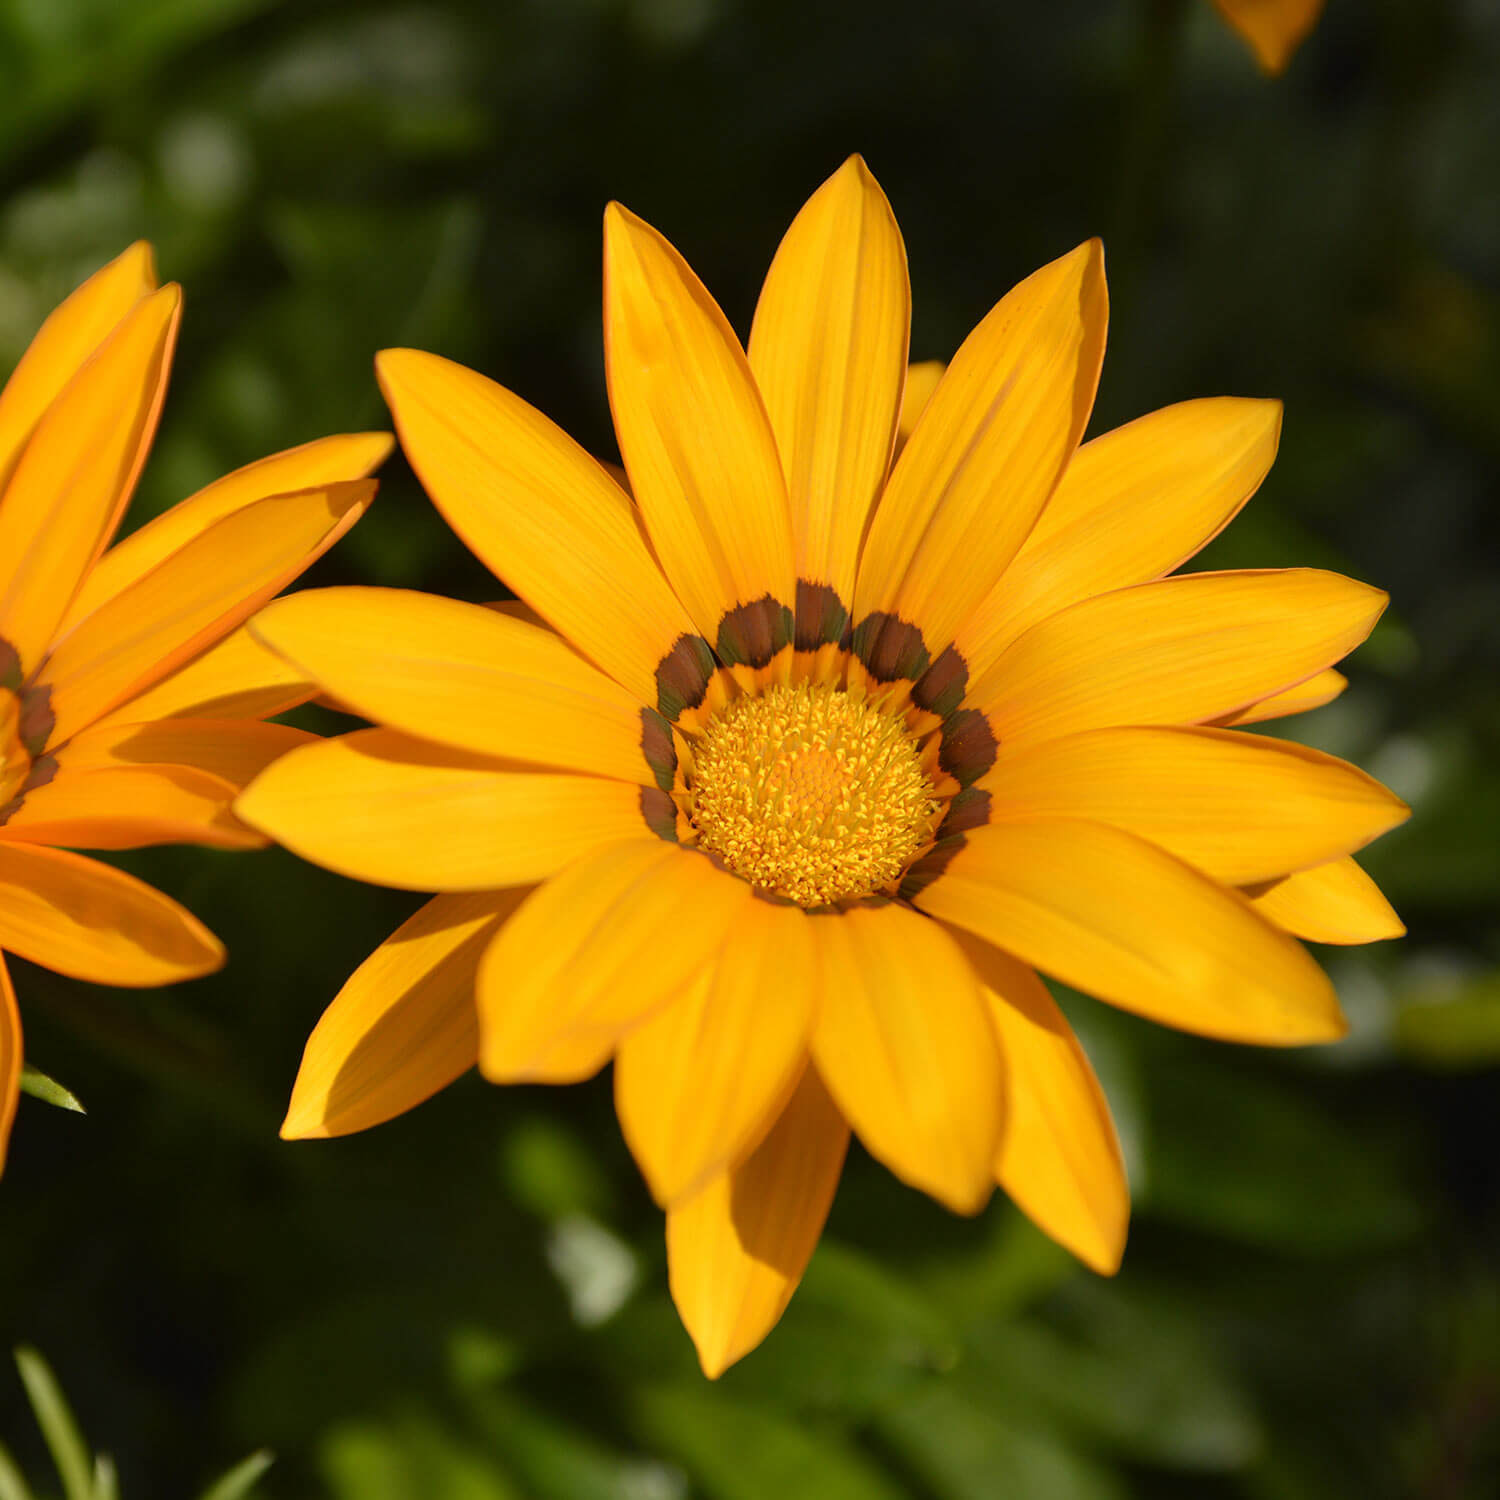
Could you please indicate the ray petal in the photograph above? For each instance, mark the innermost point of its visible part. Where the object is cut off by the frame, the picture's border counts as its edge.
(1334, 903)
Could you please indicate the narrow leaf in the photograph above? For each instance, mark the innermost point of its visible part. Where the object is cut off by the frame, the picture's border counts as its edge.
(64, 1441)
(49, 1091)
(240, 1480)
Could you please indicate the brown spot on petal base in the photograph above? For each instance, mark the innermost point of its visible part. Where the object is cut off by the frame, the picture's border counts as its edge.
(822, 618)
(657, 748)
(891, 649)
(660, 813)
(968, 749)
(682, 676)
(941, 688)
(751, 634)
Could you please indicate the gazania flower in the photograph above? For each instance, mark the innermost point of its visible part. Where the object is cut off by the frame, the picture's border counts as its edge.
(818, 759)
(1273, 29)
(129, 696)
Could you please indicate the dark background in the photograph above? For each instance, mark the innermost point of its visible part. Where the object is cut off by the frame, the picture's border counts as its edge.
(470, 1303)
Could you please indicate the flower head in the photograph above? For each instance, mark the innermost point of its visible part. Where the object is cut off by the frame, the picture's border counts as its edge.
(797, 762)
(130, 697)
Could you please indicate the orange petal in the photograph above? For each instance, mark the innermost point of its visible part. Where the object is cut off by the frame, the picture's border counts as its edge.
(11, 1058)
(1322, 687)
(1334, 903)
(1183, 650)
(989, 448)
(73, 480)
(903, 1043)
(595, 951)
(1059, 1156)
(1274, 29)
(404, 1026)
(922, 380)
(696, 442)
(311, 466)
(383, 806)
(698, 1083)
(541, 513)
(193, 599)
(92, 922)
(130, 807)
(234, 750)
(72, 332)
(828, 350)
(736, 1251)
(1110, 914)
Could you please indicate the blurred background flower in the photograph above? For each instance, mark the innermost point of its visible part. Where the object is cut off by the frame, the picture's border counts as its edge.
(469, 1301)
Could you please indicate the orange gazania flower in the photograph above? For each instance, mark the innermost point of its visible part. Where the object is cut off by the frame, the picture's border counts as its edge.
(818, 758)
(1273, 29)
(128, 694)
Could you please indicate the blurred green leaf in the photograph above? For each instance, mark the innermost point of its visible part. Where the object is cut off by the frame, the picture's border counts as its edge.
(12, 1481)
(59, 1429)
(240, 1480)
(408, 1456)
(106, 1479)
(1452, 1026)
(48, 1090)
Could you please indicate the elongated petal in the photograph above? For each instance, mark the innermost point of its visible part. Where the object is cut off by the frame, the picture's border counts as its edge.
(193, 599)
(234, 750)
(311, 466)
(1108, 913)
(986, 454)
(237, 679)
(1274, 29)
(404, 1026)
(922, 380)
(696, 442)
(71, 483)
(465, 676)
(1322, 687)
(596, 951)
(539, 512)
(698, 1083)
(92, 922)
(11, 1057)
(72, 332)
(1335, 903)
(382, 806)
(1183, 650)
(130, 807)
(737, 1250)
(1131, 506)
(828, 349)
(903, 1043)
(1059, 1156)
(1239, 807)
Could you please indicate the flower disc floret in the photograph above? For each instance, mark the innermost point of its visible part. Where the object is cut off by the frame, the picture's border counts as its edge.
(811, 793)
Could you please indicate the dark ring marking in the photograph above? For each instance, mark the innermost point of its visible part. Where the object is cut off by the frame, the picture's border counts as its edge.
(941, 688)
(822, 617)
(10, 666)
(682, 676)
(43, 769)
(930, 866)
(751, 634)
(660, 813)
(968, 746)
(969, 810)
(658, 749)
(37, 720)
(890, 648)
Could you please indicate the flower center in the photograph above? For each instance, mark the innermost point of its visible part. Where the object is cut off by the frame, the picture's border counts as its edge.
(15, 763)
(811, 793)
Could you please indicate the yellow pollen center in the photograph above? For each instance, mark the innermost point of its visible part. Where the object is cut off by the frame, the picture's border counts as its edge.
(812, 794)
(15, 763)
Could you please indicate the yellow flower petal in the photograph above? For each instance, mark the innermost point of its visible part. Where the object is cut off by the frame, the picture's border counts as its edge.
(596, 951)
(1059, 1156)
(540, 512)
(404, 1026)
(922, 380)
(1108, 913)
(73, 331)
(699, 1082)
(1183, 650)
(234, 750)
(697, 444)
(382, 806)
(1239, 807)
(990, 447)
(92, 922)
(1335, 903)
(11, 1058)
(736, 1251)
(311, 466)
(71, 483)
(1274, 29)
(467, 677)
(828, 349)
(1322, 687)
(238, 678)
(1132, 506)
(903, 1043)
(198, 595)
(128, 807)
